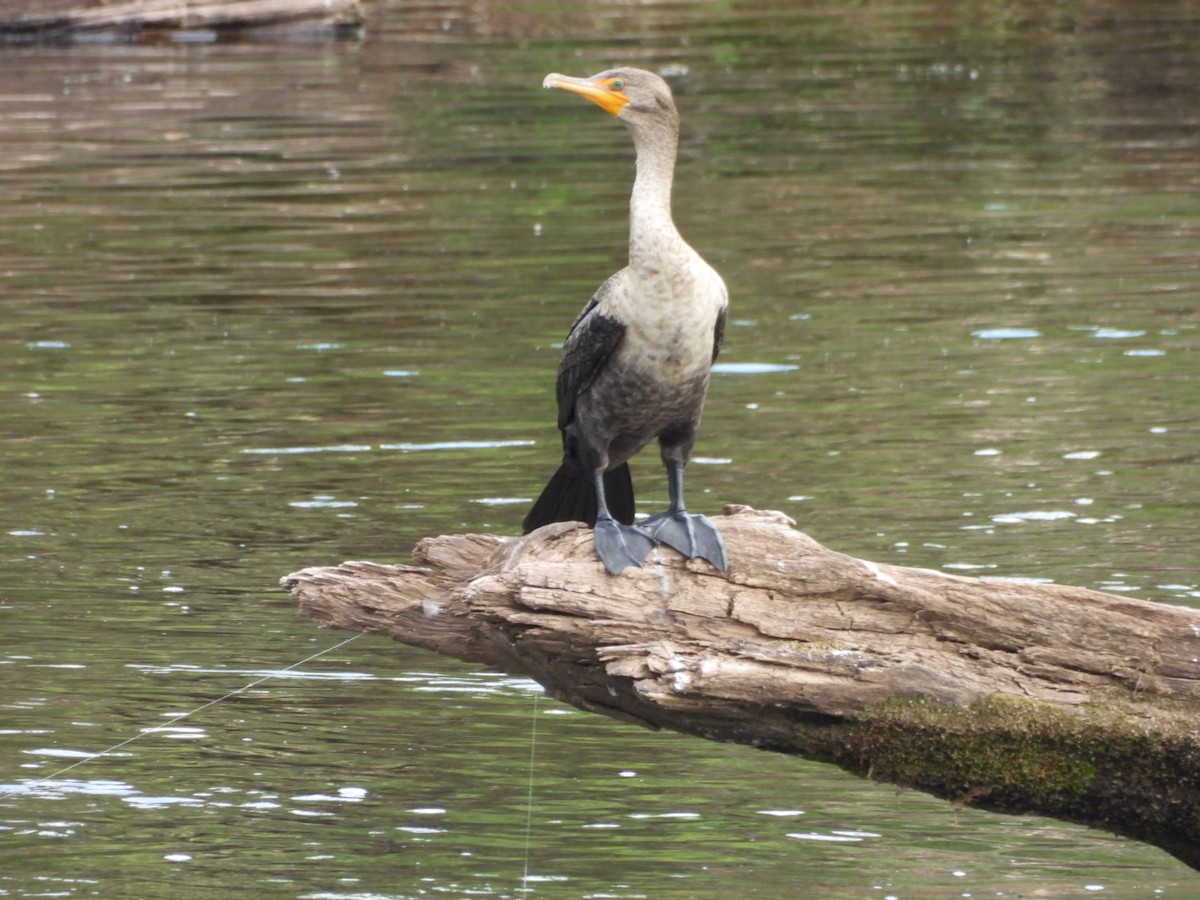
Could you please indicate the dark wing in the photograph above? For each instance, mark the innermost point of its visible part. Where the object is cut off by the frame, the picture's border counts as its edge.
(589, 345)
(719, 331)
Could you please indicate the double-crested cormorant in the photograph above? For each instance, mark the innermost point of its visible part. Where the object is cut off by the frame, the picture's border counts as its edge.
(635, 364)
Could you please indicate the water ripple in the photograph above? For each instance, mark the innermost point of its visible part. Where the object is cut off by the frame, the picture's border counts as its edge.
(752, 368)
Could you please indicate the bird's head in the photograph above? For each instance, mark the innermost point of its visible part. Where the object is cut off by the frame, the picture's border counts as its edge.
(635, 96)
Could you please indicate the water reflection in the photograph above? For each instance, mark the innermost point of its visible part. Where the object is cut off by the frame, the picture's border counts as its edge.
(269, 308)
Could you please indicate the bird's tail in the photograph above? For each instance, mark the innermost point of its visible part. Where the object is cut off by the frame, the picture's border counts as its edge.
(570, 496)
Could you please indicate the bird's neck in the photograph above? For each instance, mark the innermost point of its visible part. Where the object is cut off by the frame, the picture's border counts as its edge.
(653, 237)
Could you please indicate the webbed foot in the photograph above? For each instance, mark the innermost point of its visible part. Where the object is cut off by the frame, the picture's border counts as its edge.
(693, 535)
(620, 545)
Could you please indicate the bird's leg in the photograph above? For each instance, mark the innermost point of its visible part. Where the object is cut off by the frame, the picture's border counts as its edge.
(617, 545)
(693, 535)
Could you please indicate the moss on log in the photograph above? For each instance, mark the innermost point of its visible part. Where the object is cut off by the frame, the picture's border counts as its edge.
(1010, 696)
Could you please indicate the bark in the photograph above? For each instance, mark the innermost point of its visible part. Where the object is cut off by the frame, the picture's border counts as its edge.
(1006, 695)
(61, 18)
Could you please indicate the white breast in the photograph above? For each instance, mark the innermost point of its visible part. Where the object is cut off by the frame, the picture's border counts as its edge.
(670, 317)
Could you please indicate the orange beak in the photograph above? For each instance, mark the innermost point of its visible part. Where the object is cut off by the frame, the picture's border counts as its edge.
(606, 94)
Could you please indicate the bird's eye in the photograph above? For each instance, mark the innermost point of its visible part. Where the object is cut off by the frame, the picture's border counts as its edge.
(617, 84)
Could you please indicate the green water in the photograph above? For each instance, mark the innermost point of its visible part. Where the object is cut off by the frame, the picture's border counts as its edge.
(269, 306)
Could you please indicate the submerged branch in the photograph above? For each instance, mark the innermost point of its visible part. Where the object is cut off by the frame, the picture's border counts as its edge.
(40, 19)
(1025, 698)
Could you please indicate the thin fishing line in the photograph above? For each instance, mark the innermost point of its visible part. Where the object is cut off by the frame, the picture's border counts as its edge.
(171, 721)
(529, 793)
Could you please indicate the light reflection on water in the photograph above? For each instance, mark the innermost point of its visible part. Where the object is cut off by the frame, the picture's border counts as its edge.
(268, 309)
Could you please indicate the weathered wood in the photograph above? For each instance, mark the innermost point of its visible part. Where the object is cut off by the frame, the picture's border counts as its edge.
(1006, 695)
(33, 18)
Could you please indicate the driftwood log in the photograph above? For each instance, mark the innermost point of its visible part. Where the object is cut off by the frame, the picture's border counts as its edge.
(1010, 696)
(56, 19)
